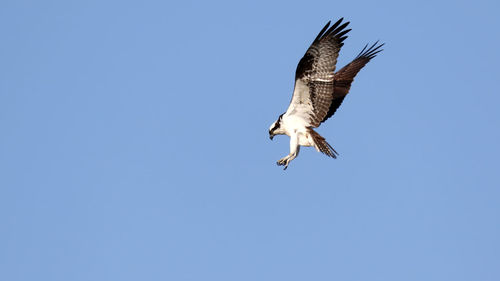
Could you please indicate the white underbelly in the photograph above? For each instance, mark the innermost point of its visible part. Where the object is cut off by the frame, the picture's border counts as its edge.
(305, 140)
(295, 126)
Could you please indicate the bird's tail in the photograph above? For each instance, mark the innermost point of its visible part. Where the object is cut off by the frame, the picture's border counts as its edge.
(321, 145)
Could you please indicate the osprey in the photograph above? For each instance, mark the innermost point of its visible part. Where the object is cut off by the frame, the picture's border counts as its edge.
(319, 91)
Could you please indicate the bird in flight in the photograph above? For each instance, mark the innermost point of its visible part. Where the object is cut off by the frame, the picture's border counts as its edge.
(319, 90)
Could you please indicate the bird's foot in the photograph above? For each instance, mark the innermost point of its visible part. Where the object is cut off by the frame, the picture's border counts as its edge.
(284, 162)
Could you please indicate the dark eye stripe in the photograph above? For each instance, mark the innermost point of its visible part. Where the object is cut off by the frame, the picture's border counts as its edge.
(277, 125)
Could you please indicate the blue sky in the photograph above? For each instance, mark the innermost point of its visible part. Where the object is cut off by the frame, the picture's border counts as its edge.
(134, 143)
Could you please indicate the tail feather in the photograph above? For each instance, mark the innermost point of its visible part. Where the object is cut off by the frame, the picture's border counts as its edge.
(322, 145)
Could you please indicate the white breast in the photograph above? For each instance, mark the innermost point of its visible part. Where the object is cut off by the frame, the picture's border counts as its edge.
(296, 126)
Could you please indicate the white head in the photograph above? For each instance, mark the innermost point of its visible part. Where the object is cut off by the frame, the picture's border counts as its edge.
(275, 128)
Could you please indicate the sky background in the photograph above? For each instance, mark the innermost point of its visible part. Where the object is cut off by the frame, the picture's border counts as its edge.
(134, 143)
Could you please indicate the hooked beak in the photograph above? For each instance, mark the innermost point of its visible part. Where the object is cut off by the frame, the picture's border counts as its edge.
(271, 137)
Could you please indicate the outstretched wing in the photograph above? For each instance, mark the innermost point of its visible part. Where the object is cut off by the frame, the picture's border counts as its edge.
(314, 76)
(343, 78)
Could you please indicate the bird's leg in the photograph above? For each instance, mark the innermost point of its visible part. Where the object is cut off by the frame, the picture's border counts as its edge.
(294, 151)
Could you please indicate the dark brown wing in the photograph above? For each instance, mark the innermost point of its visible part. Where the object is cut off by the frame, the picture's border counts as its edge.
(315, 73)
(344, 77)
(320, 59)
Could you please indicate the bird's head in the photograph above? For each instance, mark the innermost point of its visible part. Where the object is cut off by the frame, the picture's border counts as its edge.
(275, 128)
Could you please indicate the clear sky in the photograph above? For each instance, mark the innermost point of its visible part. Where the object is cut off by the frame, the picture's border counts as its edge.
(134, 143)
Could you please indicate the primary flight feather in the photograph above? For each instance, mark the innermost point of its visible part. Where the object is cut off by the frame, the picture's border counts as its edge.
(319, 90)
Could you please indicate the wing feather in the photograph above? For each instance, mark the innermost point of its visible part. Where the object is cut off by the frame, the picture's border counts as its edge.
(315, 72)
(344, 77)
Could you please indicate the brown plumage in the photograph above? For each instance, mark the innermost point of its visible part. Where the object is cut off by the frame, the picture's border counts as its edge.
(343, 78)
(321, 144)
(327, 89)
